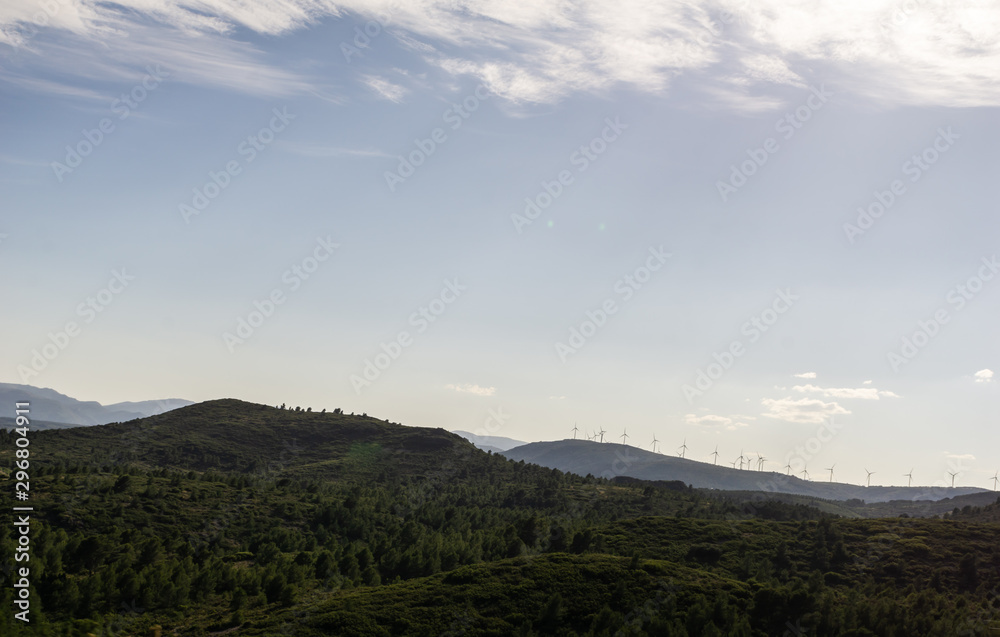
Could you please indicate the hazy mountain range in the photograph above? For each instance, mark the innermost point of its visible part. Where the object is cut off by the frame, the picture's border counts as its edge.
(54, 409)
(496, 444)
(609, 460)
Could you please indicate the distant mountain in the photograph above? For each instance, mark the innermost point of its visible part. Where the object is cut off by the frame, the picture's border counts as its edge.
(53, 407)
(150, 407)
(490, 443)
(608, 460)
(8, 422)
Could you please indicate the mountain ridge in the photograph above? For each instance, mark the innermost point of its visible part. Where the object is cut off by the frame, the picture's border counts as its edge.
(53, 406)
(608, 460)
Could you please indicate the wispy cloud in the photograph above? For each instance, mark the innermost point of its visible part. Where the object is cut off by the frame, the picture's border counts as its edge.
(472, 389)
(16, 161)
(983, 376)
(864, 393)
(386, 89)
(711, 420)
(740, 54)
(322, 150)
(803, 410)
(959, 456)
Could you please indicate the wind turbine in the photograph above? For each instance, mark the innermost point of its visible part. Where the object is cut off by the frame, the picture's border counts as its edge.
(995, 480)
(654, 443)
(805, 474)
(760, 462)
(733, 463)
(952, 478)
(601, 434)
(870, 473)
(830, 469)
(624, 436)
(575, 429)
(788, 469)
(909, 476)
(716, 455)
(683, 448)
(740, 458)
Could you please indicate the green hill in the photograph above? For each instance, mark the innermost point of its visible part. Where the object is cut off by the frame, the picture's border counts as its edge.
(250, 520)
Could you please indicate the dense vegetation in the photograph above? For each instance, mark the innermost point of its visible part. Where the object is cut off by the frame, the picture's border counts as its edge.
(227, 516)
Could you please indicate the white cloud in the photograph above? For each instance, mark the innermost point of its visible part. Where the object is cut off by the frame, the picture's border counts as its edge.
(472, 389)
(806, 375)
(710, 420)
(557, 398)
(864, 393)
(959, 456)
(543, 50)
(867, 382)
(984, 375)
(803, 410)
(386, 89)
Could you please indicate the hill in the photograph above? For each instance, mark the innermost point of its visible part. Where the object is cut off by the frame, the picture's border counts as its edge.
(236, 518)
(51, 406)
(583, 457)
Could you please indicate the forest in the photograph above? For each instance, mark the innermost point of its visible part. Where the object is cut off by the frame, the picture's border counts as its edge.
(243, 519)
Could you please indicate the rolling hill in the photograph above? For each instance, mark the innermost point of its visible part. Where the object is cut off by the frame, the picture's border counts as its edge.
(608, 460)
(234, 518)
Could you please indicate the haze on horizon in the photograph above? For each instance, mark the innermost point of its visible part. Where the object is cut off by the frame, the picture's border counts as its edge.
(723, 222)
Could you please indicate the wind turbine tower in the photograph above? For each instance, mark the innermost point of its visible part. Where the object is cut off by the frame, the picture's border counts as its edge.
(870, 473)
(909, 478)
(830, 469)
(575, 429)
(683, 448)
(715, 455)
(953, 478)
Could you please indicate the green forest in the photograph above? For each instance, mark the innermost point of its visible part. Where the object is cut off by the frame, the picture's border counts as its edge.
(233, 518)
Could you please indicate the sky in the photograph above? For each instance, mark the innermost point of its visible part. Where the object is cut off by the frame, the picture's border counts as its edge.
(760, 227)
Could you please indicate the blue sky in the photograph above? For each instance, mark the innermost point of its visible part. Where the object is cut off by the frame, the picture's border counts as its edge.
(250, 165)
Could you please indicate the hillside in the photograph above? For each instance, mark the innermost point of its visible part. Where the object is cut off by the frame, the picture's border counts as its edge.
(233, 517)
(583, 457)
